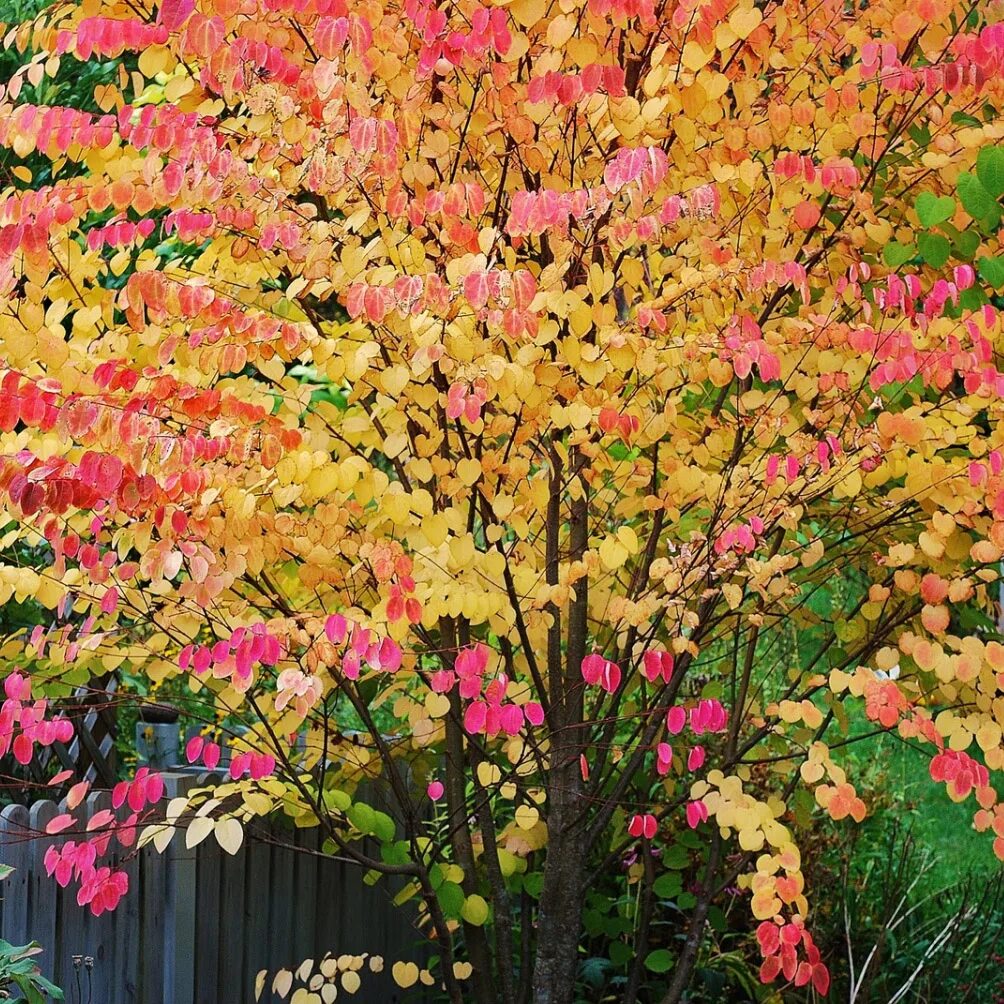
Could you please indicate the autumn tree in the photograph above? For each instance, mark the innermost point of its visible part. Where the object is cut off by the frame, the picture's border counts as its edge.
(569, 416)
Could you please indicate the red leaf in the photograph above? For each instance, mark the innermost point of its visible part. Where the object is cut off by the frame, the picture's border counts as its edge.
(821, 979)
(173, 13)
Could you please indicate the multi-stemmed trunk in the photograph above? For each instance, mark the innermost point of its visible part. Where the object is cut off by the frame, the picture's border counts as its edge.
(560, 912)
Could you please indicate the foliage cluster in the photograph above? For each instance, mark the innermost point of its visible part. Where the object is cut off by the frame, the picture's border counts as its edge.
(578, 417)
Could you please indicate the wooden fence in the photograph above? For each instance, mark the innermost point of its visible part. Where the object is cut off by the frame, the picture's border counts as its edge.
(198, 925)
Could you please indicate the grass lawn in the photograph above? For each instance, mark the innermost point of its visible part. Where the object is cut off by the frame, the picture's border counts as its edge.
(939, 824)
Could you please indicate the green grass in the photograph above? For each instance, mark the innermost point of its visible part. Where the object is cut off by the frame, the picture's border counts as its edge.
(942, 826)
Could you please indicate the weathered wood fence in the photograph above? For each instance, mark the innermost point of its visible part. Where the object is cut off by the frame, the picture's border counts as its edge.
(198, 925)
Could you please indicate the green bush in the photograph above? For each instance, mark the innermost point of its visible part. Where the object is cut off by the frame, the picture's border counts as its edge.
(20, 978)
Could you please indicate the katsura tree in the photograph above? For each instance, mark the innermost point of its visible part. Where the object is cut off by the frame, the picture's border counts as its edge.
(576, 422)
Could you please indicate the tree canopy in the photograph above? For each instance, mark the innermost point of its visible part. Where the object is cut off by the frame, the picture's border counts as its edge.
(570, 416)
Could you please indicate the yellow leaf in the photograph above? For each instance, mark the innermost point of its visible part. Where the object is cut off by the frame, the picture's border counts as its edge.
(469, 470)
(628, 538)
(526, 817)
(474, 910)
(528, 12)
(152, 60)
(437, 705)
(811, 771)
(613, 553)
(405, 974)
(744, 20)
(488, 774)
(161, 836)
(229, 834)
(694, 56)
(394, 380)
(282, 983)
(198, 830)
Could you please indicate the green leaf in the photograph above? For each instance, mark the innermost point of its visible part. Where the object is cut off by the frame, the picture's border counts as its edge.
(339, 799)
(934, 249)
(659, 961)
(895, 254)
(932, 209)
(668, 886)
(990, 169)
(675, 857)
(397, 853)
(991, 270)
(362, 817)
(33, 995)
(533, 883)
(6, 871)
(688, 838)
(977, 201)
(972, 298)
(50, 988)
(383, 826)
(966, 242)
(961, 118)
(620, 953)
(451, 899)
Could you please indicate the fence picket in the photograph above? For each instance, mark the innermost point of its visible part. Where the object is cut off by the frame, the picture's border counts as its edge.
(153, 893)
(208, 920)
(15, 840)
(43, 890)
(304, 887)
(127, 932)
(231, 971)
(179, 907)
(282, 920)
(256, 910)
(100, 930)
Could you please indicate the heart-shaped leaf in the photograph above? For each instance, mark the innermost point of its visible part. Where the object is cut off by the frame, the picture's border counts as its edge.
(977, 201)
(990, 170)
(934, 249)
(659, 961)
(966, 242)
(895, 254)
(932, 209)
(992, 271)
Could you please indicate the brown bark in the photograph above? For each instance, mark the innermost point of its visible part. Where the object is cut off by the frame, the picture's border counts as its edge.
(560, 911)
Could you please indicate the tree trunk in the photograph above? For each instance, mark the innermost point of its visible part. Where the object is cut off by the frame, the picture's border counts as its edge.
(560, 914)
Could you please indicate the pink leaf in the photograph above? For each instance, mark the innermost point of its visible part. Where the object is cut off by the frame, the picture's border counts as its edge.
(193, 748)
(172, 14)
(60, 823)
(22, 749)
(676, 720)
(211, 756)
(475, 718)
(77, 794)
